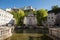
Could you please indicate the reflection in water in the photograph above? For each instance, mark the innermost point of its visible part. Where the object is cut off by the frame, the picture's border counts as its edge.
(44, 37)
(32, 30)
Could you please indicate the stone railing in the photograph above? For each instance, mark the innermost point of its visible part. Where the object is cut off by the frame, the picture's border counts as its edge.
(5, 32)
(54, 32)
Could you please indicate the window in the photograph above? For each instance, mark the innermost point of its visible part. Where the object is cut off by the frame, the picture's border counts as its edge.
(52, 17)
(52, 20)
(48, 17)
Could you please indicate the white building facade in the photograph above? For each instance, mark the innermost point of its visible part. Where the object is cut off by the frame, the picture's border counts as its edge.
(30, 19)
(28, 8)
(8, 9)
(5, 17)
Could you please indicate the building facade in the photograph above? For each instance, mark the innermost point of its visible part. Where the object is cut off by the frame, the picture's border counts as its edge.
(28, 8)
(5, 17)
(56, 16)
(57, 19)
(30, 19)
(51, 19)
(8, 9)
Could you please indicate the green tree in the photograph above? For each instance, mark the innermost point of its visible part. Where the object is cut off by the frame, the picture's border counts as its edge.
(55, 7)
(41, 16)
(19, 16)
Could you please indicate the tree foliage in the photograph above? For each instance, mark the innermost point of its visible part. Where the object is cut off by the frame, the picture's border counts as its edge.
(18, 15)
(41, 16)
(55, 7)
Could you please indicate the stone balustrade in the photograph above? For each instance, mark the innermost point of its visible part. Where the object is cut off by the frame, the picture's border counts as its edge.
(54, 32)
(5, 32)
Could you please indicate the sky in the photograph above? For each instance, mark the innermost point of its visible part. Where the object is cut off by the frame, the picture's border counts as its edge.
(38, 4)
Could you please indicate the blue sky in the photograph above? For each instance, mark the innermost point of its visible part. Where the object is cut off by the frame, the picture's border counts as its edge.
(38, 4)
